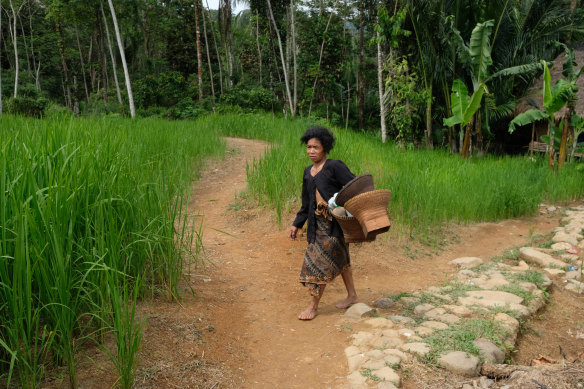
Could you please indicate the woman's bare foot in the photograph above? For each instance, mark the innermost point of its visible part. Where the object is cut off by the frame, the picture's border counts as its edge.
(309, 313)
(346, 303)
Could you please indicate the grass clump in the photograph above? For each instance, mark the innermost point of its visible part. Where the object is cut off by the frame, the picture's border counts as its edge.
(460, 337)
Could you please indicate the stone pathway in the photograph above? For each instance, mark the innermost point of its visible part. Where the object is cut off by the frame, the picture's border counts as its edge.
(472, 320)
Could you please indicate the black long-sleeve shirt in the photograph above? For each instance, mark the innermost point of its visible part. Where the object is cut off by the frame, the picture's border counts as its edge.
(333, 176)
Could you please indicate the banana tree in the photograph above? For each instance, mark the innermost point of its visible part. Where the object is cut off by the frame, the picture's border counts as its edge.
(477, 58)
(464, 108)
(554, 99)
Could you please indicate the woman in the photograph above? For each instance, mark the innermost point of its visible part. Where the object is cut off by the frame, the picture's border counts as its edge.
(327, 254)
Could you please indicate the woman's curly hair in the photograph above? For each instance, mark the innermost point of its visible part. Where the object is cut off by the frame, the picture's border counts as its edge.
(323, 134)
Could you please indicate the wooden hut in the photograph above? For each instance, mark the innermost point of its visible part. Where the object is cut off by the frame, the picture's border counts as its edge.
(534, 100)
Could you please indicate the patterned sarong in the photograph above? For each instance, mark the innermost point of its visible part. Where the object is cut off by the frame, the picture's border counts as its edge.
(325, 259)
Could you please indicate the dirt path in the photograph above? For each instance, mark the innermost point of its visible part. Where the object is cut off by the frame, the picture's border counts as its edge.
(240, 328)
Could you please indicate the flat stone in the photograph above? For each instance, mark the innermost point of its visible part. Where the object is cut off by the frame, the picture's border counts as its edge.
(554, 272)
(360, 310)
(423, 308)
(401, 319)
(537, 302)
(393, 352)
(392, 360)
(542, 259)
(570, 257)
(467, 273)
(561, 246)
(362, 338)
(374, 364)
(390, 333)
(485, 382)
(461, 363)
(357, 380)
(384, 303)
(386, 373)
(405, 333)
(440, 314)
(489, 351)
(352, 350)
(467, 262)
(416, 348)
(379, 322)
(436, 325)
(424, 331)
(493, 295)
(492, 298)
(458, 310)
(383, 342)
(564, 237)
(493, 281)
(511, 325)
(374, 354)
(528, 286)
(354, 362)
(575, 286)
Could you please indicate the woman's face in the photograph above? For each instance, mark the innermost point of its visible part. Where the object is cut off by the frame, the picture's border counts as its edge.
(315, 150)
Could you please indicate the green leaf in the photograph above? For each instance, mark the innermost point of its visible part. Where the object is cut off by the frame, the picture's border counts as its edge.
(527, 117)
(480, 50)
(547, 82)
(517, 70)
(475, 103)
(459, 100)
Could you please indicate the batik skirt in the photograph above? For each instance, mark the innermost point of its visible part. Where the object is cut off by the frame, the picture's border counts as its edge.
(324, 259)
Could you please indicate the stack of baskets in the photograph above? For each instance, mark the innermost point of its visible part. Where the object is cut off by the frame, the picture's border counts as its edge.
(367, 206)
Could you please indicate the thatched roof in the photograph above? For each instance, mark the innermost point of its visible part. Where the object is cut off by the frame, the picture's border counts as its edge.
(535, 98)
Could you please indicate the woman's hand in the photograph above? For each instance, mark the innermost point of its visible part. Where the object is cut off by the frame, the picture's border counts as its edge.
(292, 233)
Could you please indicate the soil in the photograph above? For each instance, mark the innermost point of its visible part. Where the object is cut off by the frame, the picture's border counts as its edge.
(236, 325)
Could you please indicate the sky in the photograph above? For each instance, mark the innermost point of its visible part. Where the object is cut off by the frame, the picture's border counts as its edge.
(214, 4)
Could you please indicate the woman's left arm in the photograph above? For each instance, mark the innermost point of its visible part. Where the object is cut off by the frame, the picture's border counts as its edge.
(342, 173)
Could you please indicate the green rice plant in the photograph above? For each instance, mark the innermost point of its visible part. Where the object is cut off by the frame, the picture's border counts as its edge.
(127, 332)
(78, 196)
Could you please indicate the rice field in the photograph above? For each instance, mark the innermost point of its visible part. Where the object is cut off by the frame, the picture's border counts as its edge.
(92, 217)
(430, 188)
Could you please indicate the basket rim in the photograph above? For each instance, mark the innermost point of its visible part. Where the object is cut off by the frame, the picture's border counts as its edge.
(352, 185)
(373, 193)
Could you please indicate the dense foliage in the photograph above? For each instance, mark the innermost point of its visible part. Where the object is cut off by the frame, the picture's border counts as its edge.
(317, 59)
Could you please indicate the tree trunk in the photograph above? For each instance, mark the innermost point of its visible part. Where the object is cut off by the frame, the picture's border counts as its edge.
(466, 144)
(102, 63)
(380, 63)
(82, 65)
(258, 43)
(207, 49)
(361, 66)
(15, 44)
(61, 43)
(112, 56)
(564, 141)
(216, 51)
(428, 131)
(294, 56)
(319, 62)
(124, 64)
(287, 83)
(227, 35)
(199, 55)
(551, 151)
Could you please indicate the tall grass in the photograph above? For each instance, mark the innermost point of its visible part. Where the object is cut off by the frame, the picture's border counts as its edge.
(77, 198)
(430, 188)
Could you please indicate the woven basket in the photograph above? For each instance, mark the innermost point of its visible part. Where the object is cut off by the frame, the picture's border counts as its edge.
(352, 230)
(370, 209)
(358, 185)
